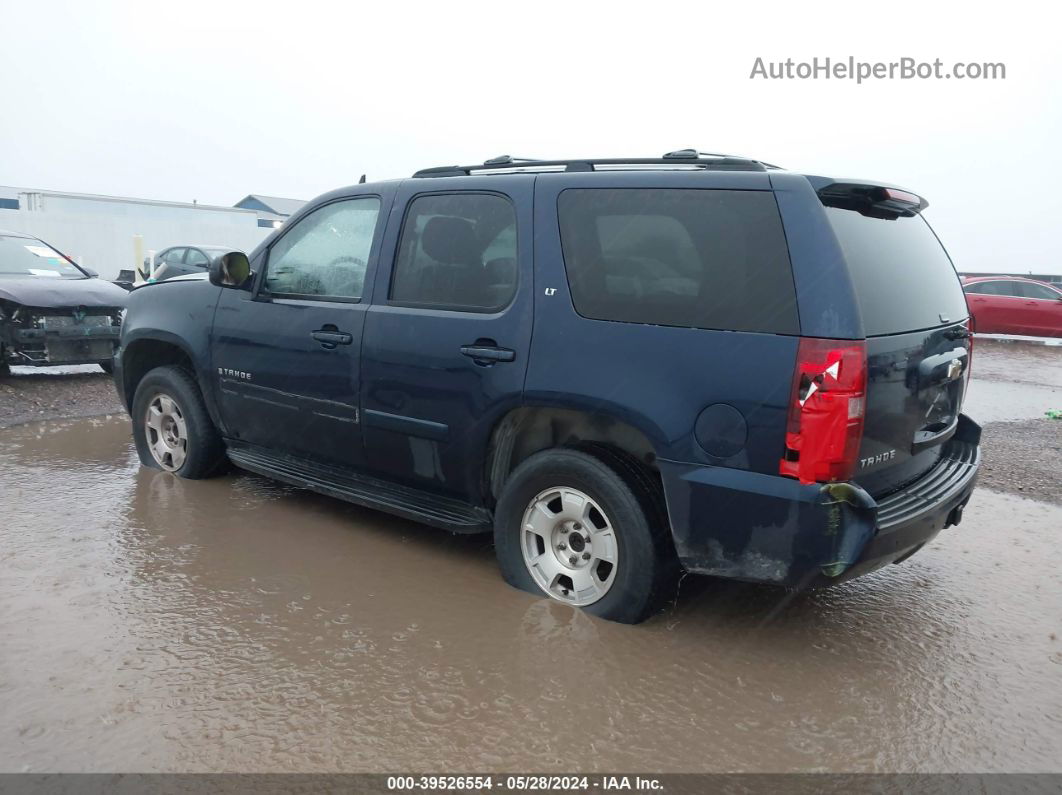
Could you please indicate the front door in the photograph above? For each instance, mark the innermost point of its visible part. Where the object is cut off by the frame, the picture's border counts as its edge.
(287, 354)
(446, 340)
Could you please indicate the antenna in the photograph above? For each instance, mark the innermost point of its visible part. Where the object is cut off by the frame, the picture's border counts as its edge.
(362, 180)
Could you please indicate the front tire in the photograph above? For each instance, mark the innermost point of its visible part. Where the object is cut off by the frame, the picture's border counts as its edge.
(587, 528)
(171, 426)
(107, 366)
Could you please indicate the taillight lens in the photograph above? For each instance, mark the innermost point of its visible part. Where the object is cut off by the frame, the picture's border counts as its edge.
(969, 363)
(826, 411)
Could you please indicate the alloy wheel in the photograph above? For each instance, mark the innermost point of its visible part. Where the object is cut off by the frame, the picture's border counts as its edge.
(166, 432)
(569, 546)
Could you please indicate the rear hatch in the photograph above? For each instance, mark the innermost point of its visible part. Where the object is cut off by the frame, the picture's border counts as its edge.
(915, 317)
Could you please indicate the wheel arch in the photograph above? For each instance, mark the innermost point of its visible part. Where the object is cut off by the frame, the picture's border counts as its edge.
(143, 354)
(526, 430)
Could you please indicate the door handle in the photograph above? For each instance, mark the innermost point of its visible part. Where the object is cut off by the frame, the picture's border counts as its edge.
(330, 337)
(487, 352)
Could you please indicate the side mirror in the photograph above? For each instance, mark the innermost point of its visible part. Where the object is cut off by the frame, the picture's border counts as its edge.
(231, 269)
(91, 272)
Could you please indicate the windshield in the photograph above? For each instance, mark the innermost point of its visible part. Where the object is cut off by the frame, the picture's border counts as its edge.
(27, 256)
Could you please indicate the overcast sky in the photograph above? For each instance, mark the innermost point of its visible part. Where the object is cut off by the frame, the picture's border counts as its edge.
(211, 101)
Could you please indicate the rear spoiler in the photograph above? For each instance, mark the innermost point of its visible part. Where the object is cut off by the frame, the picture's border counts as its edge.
(883, 201)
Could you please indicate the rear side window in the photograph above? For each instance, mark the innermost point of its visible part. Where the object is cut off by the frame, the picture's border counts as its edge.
(1030, 290)
(458, 251)
(903, 278)
(714, 259)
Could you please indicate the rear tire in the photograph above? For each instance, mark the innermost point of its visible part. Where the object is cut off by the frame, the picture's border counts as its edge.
(587, 528)
(171, 426)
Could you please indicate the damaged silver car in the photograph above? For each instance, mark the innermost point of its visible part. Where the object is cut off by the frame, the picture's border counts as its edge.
(53, 311)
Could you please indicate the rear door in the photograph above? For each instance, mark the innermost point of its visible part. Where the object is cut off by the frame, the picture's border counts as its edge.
(446, 342)
(915, 318)
(1008, 311)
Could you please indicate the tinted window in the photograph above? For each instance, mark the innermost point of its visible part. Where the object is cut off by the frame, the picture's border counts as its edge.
(903, 278)
(1030, 290)
(1009, 289)
(996, 288)
(701, 258)
(457, 251)
(325, 253)
(196, 257)
(175, 256)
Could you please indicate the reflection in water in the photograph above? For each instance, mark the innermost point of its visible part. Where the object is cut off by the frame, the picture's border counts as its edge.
(150, 623)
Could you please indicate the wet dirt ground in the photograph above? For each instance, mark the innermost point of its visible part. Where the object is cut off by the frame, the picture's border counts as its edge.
(38, 393)
(154, 624)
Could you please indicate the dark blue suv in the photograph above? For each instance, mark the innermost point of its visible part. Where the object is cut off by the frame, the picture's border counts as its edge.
(623, 368)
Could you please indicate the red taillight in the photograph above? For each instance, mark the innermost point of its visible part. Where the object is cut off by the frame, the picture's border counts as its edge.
(826, 411)
(901, 196)
(969, 361)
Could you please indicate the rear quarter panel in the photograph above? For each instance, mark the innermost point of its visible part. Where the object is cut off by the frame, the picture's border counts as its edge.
(825, 294)
(656, 378)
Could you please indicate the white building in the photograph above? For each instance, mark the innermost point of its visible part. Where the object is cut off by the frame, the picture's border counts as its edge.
(272, 210)
(111, 233)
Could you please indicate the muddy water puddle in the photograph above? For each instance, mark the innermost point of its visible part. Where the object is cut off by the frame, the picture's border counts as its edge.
(1014, 381)
(148, 623)
(1001, 401)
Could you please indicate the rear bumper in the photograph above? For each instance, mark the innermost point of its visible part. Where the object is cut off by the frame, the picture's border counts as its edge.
(770, 529)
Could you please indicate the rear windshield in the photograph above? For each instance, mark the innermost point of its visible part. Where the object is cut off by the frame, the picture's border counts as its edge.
(904, 280)
(714, 259)
(27, 256)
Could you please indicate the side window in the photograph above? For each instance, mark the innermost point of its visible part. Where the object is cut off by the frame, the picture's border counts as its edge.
(1004, 288)
(1030, 290)
(175, 256)
(325, 254)
(988, 288)
(457, 251)
(196, 258)
(712, 259)
(977, 288)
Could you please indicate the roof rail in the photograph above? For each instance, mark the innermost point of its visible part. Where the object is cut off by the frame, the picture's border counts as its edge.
(682, 157)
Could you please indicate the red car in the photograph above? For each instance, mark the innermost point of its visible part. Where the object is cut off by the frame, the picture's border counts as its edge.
(1011, 305)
